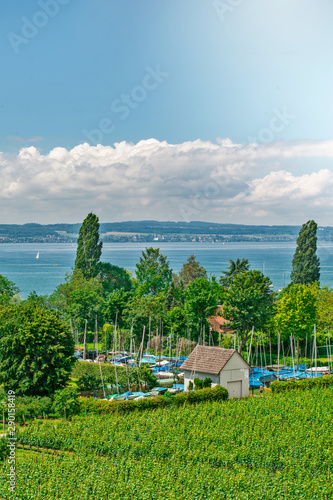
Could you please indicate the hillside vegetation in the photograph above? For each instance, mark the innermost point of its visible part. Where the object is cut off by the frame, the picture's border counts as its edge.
(279, 447)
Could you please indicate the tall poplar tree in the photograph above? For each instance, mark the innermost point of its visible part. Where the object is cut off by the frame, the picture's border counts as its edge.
(89, 248)
(305, 263)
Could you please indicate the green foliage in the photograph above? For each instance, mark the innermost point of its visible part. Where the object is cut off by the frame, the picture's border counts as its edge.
(191, 270)
(202, 297)
(296, 310)
(4, 449)
(88, 381)
(66, 400)
(113, 277)
(115, 304)
(147, 377)
(202, 384)
(89, 248)
(176, 318)
(307, 383)
(80, 299)
(153, 272)
(30, 407)
(36, 349)
(235, 267)
(248, 303)
(324, 320)
(258, 448)
(8, 290)
(305, 263)
(102, 407)
(139, 309)
(91, 371)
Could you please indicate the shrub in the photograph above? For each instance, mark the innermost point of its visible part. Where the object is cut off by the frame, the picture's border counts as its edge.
(30, 407)
(4, 449)
(202, 384)
(102, 407)
(280, 386)
(66, 399)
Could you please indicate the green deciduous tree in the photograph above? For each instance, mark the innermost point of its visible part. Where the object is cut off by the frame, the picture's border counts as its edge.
(324, 320)
(36, 349)
(138, 311)
(4, 448)
(113, 277)
(202, 297)
(153, 272)
(305, 263)
(7, 289)
(296, 310)
(80, 299)
(115, 304)
(175, 318)
(191, 270)
(147, 377)
(66, 402)
(248, 303)
(89, 248)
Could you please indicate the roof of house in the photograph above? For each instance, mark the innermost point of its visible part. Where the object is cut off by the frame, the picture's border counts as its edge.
(208, 359)
(219, 323)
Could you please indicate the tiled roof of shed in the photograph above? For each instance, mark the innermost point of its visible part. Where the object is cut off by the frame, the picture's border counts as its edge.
(207, 359)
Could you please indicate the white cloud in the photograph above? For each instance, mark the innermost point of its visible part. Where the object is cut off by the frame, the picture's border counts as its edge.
(195, 180)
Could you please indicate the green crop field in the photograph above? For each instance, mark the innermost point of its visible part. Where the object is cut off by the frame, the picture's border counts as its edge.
(279, 447)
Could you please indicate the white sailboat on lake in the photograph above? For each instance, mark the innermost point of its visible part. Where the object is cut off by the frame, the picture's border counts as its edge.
(37, 256)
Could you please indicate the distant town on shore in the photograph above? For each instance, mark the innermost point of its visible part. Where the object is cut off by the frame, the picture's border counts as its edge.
(150, 231)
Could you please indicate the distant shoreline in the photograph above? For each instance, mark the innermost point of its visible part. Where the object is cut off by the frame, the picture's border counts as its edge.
(155, 231)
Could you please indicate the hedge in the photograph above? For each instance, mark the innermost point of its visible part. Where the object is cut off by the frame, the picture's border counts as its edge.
(102, 407)
(307, 383)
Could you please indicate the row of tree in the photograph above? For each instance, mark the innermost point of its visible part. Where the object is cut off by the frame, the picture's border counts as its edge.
(36, 335)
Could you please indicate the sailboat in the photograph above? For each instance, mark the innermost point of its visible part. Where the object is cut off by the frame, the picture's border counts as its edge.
(37, 256)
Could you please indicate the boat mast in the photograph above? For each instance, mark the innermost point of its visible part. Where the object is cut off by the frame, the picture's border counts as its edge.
(84, 340)
(99, 362)
(278, 354)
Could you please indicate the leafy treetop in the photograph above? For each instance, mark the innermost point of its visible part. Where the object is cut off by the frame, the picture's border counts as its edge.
(191, 270)
(248, 303)
(153, 272)
(89, 248)
(305, 263)
(36, 349)
(7, 289)
(296, 310)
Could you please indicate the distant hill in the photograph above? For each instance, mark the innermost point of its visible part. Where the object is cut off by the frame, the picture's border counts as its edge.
(150, 231)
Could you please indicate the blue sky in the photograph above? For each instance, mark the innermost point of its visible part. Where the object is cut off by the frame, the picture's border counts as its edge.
(110, 71)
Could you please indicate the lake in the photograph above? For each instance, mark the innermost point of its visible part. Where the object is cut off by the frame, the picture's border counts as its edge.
(19, 264)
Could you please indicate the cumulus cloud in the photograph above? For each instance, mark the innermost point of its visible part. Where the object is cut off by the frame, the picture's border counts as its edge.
(194, 180)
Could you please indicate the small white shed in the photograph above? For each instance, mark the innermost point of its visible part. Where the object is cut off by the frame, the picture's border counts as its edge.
(225, 367)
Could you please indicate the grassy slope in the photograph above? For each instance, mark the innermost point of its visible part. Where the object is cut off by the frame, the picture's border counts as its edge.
(263, 448)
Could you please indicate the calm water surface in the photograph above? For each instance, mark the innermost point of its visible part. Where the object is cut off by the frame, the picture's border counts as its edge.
(19, 264)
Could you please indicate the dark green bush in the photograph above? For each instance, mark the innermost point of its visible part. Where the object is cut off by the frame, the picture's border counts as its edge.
(66, 402)
(307, 383)
(4, 449)
(218, 393)
(102, 407)
(31, 407)
(202, 384)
